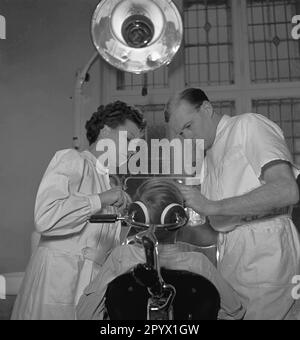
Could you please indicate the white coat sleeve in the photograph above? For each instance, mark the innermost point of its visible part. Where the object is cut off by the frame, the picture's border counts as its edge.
(264, 143)
(60, 208)
(231, 306)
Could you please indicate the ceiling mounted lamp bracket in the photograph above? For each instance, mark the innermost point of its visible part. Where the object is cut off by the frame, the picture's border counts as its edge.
(136, 36)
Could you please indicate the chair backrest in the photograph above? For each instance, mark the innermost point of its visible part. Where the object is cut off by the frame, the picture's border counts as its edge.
(196, 297)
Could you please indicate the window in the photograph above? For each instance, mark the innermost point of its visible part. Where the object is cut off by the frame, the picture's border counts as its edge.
(274, 55)
(286, 113)
(156, 126)
(208, 43)
(225, 107)
(155, 80)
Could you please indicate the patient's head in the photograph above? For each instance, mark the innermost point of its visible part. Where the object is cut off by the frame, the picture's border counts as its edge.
(157, 194)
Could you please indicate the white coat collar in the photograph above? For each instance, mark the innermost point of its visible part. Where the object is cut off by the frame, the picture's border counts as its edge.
(101, 169)
(222, 124)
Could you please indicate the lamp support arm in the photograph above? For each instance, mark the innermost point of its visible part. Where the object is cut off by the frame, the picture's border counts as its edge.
(77, 102)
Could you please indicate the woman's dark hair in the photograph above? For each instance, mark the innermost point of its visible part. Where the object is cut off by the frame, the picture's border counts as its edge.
(194, 96)
(112, 115)
(157, 194)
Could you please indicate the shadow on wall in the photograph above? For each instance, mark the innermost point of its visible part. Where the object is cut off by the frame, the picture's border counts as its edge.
(296, 210)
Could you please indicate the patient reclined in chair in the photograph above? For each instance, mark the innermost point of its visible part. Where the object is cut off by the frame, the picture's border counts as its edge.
(201, 293)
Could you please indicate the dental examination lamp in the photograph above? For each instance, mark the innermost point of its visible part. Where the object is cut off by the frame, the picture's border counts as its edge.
(136, 36)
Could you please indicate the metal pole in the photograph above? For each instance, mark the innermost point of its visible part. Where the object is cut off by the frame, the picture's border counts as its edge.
(78, 93)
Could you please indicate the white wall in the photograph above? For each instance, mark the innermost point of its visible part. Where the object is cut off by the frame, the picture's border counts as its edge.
(47, 41)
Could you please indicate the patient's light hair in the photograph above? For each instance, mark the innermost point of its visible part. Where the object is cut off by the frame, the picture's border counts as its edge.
(157, 194)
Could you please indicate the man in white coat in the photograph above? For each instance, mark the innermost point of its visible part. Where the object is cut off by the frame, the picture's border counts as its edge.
(74, 187)
(247, 191)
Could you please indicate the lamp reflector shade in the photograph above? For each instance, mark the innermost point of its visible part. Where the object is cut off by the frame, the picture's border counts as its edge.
(137, 36)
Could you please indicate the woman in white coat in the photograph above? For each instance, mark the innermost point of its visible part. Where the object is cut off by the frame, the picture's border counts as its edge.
(74, 187)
